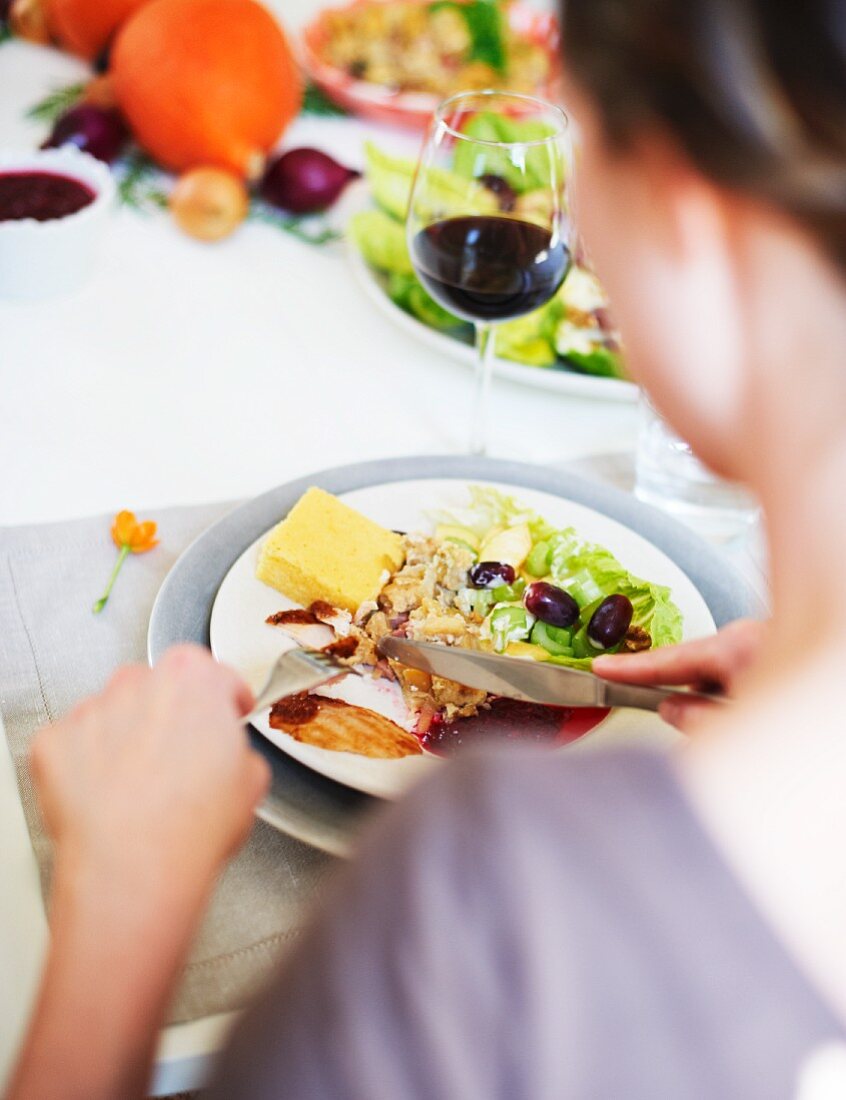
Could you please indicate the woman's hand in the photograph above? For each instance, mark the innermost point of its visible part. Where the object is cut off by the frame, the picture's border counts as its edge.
(155, 770)
(146, 790)
(707, 664)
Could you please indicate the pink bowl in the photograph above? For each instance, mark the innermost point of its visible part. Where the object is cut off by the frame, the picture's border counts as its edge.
(412, 110)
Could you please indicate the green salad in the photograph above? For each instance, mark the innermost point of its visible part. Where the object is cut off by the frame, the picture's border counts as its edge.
(572, 331)
(544, 592)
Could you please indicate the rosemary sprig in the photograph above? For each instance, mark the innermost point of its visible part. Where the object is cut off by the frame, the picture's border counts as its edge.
(297, 227)
(5, 33)
(139, 184)
(55, 103)
(318, 103)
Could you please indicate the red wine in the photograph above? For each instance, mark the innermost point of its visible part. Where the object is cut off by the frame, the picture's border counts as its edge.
(489, 268)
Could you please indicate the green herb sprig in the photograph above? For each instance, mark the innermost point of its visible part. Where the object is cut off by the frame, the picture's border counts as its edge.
(298, 227)
(485, 23)
(139, 186)
(317, 103)
(56, 103)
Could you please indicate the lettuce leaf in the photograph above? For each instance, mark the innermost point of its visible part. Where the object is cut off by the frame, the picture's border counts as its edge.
(589, 571)
(448, 193)
(409, 294)
(390, 180)
(531, 338)
(381, 241)
(600, 362)
(524, 170)
(489, 508)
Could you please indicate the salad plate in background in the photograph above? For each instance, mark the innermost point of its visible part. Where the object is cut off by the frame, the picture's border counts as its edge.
(394, 61)
(568, 346)
(607, 557)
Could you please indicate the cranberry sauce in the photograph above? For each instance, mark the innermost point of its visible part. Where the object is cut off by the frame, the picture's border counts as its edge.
(511, 720)
(41, 195)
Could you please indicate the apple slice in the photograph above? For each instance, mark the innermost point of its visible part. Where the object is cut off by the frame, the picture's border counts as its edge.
(511, 546)
(448, 532)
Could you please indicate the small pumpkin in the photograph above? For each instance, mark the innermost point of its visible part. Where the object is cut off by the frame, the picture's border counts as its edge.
(206, 82)
(85, 27)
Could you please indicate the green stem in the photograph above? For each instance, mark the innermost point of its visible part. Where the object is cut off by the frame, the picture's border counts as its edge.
(55, 103)
(261, 212)
(101, 603)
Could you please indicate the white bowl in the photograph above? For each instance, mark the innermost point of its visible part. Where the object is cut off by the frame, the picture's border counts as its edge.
(39, 259)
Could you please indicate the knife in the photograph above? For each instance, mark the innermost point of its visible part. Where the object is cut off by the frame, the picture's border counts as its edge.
(528, 680)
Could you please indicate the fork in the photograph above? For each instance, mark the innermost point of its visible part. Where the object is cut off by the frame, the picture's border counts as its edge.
(296, 670)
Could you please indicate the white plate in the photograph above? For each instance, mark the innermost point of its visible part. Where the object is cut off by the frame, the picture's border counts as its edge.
(543, 378)
(240, 637)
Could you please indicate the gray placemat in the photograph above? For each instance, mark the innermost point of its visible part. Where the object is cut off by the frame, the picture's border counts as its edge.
(54, 651)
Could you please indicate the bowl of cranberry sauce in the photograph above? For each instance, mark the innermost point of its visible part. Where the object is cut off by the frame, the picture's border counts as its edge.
(55, 205)
(41, 195)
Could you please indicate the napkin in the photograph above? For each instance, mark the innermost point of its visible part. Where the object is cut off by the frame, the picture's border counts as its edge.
(54, 652)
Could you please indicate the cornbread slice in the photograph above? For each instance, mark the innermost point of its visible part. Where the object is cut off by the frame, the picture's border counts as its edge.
(325, 550)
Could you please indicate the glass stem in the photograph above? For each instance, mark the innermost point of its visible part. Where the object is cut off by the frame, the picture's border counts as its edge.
(481, 412)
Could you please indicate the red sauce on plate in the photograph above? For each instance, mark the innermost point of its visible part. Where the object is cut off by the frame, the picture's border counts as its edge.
(296, 616)
(294, 709)
(342, 648)
(512, 720)
(43, 196)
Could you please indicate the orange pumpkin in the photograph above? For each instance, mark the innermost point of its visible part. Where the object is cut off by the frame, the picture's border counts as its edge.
(85, 27)
(206, 82)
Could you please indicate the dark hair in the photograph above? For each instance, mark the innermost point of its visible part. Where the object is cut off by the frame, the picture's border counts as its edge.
(754, 91)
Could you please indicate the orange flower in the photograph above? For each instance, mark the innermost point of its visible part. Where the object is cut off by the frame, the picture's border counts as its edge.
(130, 537)
(127, 531)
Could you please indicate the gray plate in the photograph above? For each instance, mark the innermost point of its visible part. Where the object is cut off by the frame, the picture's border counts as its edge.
(302, 802)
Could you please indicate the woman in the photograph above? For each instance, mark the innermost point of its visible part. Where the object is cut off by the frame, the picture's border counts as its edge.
(582, 926)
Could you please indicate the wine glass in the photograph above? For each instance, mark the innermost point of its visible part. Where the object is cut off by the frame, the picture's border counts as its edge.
(488, 225)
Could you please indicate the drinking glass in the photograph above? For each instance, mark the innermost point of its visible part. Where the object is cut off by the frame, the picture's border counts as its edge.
(489, 228)
(668, 475)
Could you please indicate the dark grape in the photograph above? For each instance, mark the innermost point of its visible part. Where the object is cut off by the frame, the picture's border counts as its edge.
(610, 621)
(551, 604)
(491, 574)
(94, 130)
(505, 193)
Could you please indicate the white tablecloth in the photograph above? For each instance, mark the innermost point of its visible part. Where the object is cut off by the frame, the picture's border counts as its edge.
(188, 372)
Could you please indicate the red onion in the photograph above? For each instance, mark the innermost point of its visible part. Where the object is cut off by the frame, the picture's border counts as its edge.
(303, 181)
(95, 130)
